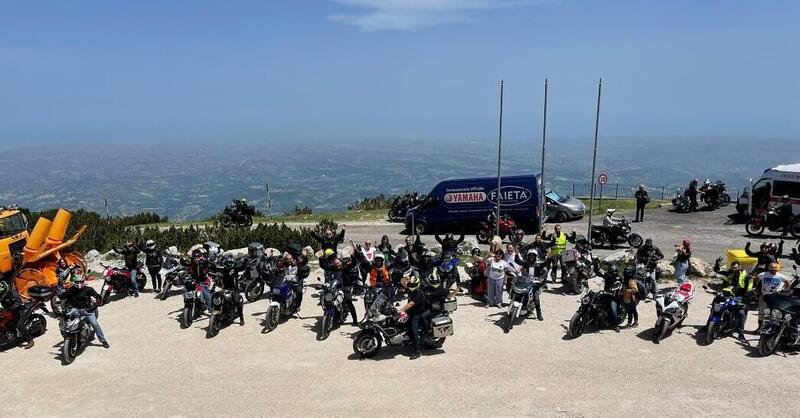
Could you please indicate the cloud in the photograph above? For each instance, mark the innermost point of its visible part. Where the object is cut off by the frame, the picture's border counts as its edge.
(414, 14)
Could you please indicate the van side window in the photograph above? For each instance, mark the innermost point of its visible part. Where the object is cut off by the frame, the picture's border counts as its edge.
(783, 188)
(429, 202)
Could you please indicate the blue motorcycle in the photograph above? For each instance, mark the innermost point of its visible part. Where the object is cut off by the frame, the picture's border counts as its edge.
(283, 299)
(723, 318)
(447, 271)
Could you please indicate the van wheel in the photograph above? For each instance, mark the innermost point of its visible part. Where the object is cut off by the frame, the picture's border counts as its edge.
(420, 228)
(561, 217)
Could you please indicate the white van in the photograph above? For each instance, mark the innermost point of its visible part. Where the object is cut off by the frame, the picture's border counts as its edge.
(768, 190)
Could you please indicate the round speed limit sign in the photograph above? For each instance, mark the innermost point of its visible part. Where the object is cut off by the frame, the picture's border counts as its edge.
(602, 179)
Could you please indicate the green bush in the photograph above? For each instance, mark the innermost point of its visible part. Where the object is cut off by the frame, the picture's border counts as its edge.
(299, 211)
(380, 201)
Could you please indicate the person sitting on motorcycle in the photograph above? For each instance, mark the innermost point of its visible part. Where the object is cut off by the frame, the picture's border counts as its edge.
(740, 284)
(12, 302)
(328, 240)
(435, 292)
(241, 206)
(611, 281)
(770, 281)
(612, 224)
(784, 214)
(379, 275)
(449, 243)
(518, 239)
(79, 300)
(426, 264)
(290, 272)
(527, 267)
(765, 255)
(130, 252)
(197, 267)
(230, 281)
(476, 273)
(415, 312)
(153, 260)
(650, 254)
(338, 270)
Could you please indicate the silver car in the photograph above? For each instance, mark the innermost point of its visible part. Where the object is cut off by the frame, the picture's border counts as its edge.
(563, 208)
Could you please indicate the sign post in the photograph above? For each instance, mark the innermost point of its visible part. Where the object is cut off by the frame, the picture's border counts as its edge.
(602, 180)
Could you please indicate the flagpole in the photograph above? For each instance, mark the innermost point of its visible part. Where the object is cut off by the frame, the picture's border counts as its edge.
(499, 152)
(542, 215)
(594, 157)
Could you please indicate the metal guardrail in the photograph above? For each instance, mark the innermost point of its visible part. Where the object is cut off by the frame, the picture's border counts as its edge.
(627, 191)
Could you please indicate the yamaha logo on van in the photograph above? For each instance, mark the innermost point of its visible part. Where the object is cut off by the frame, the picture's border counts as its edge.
(465, 197)
(511, 195)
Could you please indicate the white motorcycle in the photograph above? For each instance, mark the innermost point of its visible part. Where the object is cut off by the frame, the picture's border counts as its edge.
(672, 309)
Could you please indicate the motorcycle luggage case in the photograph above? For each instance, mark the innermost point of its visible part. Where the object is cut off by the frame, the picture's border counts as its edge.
(442, 326)
(40, 292)
(450, 304)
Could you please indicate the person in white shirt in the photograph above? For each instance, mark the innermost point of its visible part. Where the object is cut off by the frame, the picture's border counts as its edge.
(770, 281)
(496, 269)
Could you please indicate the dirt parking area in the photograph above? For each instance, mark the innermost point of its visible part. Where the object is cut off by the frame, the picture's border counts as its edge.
(154, 368)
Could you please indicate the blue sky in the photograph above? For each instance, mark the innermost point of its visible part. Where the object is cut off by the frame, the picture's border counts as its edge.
(387, 69)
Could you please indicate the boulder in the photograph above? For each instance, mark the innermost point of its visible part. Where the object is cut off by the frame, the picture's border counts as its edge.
(110, 255)
(237, 252)
(272, 252)
(667, 268)
(91, 256)
(308, 251)
(620, 258)
(698, 267)
(468, 245)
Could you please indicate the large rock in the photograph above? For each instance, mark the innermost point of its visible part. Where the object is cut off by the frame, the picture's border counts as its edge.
(110, 255)
(698, 267)
(237, 252)
(667, 268)
(620, 258)
(436, 248)
(91, 256)
(468, 245)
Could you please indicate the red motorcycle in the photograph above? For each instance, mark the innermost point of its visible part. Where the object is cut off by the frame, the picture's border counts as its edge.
(118, 280)
(487, 229)
(35, 324)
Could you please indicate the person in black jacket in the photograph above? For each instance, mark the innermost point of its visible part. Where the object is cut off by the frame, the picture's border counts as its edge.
(765, 255)
(414, 249)
(81, 300)
(528, 265)
(230, 281)
(611, 281)
(153, 260)
(417, 311)
(449, 243)
(650, 254)
(338, 270)
(130, 252)
(692, 193)
(328, 240)
(642, 199)
(11, 301)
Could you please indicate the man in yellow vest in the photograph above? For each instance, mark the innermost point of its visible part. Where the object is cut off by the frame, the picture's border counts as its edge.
(558, 243)
(740, 284)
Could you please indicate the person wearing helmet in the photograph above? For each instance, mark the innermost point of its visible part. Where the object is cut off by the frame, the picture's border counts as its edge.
(328, 240)
(740, 284)
(435, 292)
(449, 243)
(528, 266)
(476, 273)
(12, 302)
(153, 259)
(83, 300)
(427, 264)
(415, 312)
(612, 283)
(518, 239)
(650, 254)
(766, 255)
(338, 270)
(198, 267)
(612, 224)
(784, 214)
(230, 269)
(379, 274)
(130, 253)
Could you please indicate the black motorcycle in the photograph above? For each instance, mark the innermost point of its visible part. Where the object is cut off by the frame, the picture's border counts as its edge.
(681, 203)
(524, 288)
(224, 311)
(779, 327)
(596, 308)
(577, 270)
(382, 325)
(77, 334)
(715, 194)
(193, 303)
(236, 215)
(610, 237)
(35, 323)
(334, 313)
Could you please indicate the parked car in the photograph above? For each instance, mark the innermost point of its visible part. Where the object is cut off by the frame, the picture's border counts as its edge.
(561, 208)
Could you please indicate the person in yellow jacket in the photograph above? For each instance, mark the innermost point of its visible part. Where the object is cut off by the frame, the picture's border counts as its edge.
(558, 243)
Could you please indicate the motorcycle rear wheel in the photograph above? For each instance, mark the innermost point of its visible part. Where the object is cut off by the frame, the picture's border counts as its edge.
(795, 230)
(767, 344)
(598, 239)
(273, 316)
(712, 331)
(576, 325)
(69, 350)
(435, 343)
(165, 291)
(36, 326)
(253, 291)
(660, 332)
(367, 344)
(754, 227)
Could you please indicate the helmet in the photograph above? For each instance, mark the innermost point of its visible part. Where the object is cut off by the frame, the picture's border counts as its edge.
(707, 182)
(610, 211)
(613, 270)
(228, 262)
(243, 200)
(328, 252)
(78, 280)
(150, 244)
(476, 252)
(413, 282)
(532, 252)
(519, 232)
(379, 256)
(199, 252)
(785, 198)
(4, 287)
(686, 287)
(435, 281)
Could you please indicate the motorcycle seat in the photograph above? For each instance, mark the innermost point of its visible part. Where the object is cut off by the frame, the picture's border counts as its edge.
(783, 302)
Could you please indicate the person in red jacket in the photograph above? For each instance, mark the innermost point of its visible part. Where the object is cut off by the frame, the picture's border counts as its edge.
(379, 275)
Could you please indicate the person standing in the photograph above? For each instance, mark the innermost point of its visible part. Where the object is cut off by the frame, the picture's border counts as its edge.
(496, 269)
(629, 294)
(642, 199)
(683, 253)
(153, 260)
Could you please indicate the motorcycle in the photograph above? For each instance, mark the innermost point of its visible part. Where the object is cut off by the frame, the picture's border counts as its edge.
(722, 319)
(35, 323)
(193, 303)
(333, 312)
(77, 334)
(447, 271)
(174, 274)
(524, 288)
(487, 229)
(681, 203)
(715, 195)
(118, 280)
(282, 300)
(672, 309)
(383, 325)
(781, 324)
(577, 270)
(604, 237)
(223, 313)
(596, 308)
(771, 221)
(235, 215)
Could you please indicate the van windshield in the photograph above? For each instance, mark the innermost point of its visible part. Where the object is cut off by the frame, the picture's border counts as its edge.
(13, 224)
(553, 195)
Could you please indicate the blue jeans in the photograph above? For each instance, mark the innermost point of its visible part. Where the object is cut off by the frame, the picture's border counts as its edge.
(134, 285)
(206, 296)
(654, 283)
(614, 314)
(633, 315)
(681, 267)
(741, 318)
(92, 318)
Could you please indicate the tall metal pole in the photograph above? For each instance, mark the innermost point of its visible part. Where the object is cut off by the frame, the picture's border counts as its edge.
(544, 141)
(105, 200)
(269, 201)
(594, 157)
(499, 151)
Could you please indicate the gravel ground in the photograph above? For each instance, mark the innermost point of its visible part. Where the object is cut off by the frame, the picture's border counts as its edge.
(154, 368)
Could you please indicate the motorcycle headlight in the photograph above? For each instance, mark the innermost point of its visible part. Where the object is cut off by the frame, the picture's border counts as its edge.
(217, 299)
(329, 297)
(766, 311)
(777, 314)
(585, 300)
(717, 307)
(788, 317)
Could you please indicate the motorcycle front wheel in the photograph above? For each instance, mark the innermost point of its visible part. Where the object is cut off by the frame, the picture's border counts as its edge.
(754, 227)
(273, 316)
(767, 344)
(367, 344)
(36, 326)
(69, 350)
(325, 327)
(165, 291)
(712, 331)
(512, 316)
(635, 240)
(661, 331)
(253, 291)
(213, 326)
(576, 325)
(187, 317)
